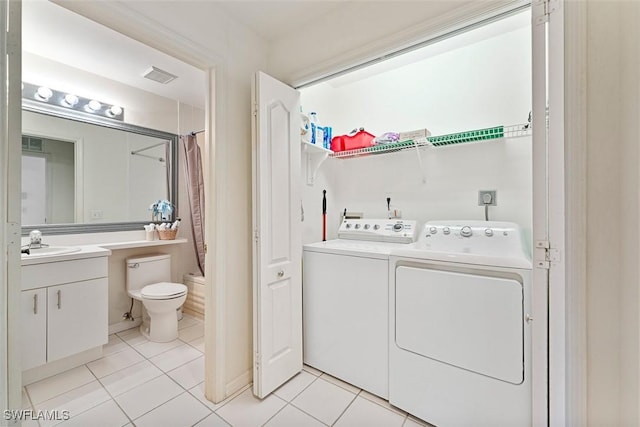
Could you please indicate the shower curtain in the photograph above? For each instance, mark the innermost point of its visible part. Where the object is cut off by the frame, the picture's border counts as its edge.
(195, 190)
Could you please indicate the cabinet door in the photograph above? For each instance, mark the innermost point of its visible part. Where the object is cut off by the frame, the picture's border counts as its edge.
(77, 317)
(33, 320)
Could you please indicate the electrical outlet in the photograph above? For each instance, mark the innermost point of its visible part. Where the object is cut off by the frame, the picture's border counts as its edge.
(487, 197)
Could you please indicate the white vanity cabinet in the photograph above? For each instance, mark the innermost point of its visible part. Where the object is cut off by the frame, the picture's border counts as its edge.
(64, 309)
(76, 317)
(33, 318)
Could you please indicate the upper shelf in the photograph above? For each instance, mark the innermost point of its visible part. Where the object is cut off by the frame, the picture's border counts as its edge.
(513, 131)
(314, 149)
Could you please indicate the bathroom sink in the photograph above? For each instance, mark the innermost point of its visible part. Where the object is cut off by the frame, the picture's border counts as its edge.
(51, 250)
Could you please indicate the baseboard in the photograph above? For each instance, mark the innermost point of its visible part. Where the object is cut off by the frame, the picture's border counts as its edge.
(57, 366)
(124, 325)
(240, 382)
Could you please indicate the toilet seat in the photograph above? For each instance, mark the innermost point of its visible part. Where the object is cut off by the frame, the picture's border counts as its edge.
(163, 290)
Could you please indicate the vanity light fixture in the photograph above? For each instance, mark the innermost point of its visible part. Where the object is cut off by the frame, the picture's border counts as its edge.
(44, 93)
(114, 111)
(94, 105)
(70, 100)
(35, 95)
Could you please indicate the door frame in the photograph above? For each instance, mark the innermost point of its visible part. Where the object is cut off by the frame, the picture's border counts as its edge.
(571, 409)
(541, 219)
(556, 217)
(10, 211)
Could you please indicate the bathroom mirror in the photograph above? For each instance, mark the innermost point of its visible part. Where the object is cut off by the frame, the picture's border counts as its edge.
(82, 173)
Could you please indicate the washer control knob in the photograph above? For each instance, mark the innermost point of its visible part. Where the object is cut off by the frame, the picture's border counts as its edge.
(377, 226)
(433, 230)
(466, 231)
(446, 230)
(397, 227)
(488, 232)
(366, 226)
(348, 225)
(357, 226)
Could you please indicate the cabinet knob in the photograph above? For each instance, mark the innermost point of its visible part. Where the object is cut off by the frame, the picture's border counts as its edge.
(59, 299)
(281, 273)
(35, 303)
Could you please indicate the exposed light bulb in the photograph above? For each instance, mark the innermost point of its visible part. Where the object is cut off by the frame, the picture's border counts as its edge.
(70, 100)
(114, 111)
(94, 105)
(44, 93)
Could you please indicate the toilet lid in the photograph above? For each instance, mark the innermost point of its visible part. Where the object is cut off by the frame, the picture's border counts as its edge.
(163, 290)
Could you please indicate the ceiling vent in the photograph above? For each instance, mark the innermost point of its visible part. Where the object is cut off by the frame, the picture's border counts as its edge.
(158, 75)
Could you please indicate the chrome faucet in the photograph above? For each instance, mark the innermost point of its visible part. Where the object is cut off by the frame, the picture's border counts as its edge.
(35, 240)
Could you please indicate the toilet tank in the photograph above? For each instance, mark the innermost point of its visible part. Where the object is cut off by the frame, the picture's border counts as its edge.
(147, 269)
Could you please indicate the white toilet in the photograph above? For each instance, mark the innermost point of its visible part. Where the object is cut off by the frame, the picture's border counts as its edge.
(148, 280)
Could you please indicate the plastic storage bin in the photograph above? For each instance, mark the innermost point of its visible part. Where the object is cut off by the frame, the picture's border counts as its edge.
(361, 139)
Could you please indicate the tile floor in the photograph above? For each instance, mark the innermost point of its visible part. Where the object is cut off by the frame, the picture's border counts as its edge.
(140, 383)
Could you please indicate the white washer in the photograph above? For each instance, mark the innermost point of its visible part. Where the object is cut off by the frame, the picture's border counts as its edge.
(345, 301)
(460, 333)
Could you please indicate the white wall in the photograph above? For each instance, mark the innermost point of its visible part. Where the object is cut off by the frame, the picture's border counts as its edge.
(248, 57)
(470, 87)
(613, 210)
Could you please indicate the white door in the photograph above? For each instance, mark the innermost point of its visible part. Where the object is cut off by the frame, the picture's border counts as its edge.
(277, 247)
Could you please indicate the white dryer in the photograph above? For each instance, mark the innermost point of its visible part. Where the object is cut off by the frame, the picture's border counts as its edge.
(460, 333)
(345, 300)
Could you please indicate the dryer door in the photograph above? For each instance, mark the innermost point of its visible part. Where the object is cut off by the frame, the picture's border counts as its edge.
(474, 322)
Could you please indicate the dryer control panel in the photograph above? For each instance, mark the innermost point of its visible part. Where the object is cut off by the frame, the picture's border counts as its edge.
(379, 230)
(495, 238)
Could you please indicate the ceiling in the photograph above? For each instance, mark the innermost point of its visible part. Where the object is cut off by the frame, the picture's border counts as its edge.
(273, 19)
(55, 33)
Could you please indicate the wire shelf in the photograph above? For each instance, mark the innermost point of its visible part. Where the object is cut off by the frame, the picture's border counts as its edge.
(513, 131)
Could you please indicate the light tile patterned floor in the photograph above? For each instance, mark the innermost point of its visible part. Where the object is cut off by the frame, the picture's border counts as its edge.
(140, 383)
